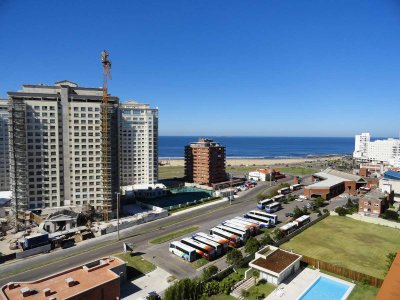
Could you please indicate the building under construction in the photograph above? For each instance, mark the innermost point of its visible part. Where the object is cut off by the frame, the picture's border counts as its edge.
(4, 151)
(56, 144)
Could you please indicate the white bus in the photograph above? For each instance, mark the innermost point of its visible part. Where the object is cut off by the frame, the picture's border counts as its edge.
(203, 250)
(295, 187)
(233, 239)
(302, 220)
(244, 227)
(288, 228)
(244, 221)
(217, 246)
(279, 198)
(273, 218)
(270, 208)
(220, 240)
(262, 203)
(183, 251)
(284, 191)
(240, 233)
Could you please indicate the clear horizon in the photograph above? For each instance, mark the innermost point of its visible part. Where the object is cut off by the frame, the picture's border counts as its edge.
(228, 68)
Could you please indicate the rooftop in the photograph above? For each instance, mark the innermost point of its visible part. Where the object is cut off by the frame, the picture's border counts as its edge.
(277, 261)
(392, 175)
(65, 284)
(390, 287)
(333, 177)
(374, 195)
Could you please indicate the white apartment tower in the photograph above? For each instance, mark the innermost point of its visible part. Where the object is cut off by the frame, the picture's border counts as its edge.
(4, 156)
(379, 151)
(55, 145)
(138, 136)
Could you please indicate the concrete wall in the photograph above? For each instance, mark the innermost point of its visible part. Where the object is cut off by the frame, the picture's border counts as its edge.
(34, 251)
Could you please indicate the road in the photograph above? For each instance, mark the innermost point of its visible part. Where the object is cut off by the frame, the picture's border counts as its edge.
(204, 217)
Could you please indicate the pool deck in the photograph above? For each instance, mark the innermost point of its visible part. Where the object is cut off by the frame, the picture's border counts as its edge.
(293, 287)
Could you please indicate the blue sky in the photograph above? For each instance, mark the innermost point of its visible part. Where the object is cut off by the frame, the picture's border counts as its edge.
(260, 68)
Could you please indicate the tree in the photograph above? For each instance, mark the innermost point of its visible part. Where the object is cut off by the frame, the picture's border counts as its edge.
(252, 246)
(277, 234)
(211, 288)
(265, 240)
(209, 272)
(297, 212)
(389, 260)
(319, 202)
(235, 258)
(390, 214)
(184, 289)
(341, 211)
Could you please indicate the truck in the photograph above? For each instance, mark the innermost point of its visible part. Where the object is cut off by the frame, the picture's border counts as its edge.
(30, 242)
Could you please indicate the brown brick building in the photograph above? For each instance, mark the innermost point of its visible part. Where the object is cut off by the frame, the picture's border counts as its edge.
(374, 203)
(205, 162)
(100, 279)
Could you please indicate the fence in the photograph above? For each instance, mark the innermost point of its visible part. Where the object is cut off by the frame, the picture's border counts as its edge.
(354, 275)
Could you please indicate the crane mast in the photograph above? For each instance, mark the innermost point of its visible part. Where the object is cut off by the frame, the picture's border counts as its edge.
(106, 159)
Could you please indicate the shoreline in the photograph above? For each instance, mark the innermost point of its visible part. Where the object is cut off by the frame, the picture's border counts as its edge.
(257, 161)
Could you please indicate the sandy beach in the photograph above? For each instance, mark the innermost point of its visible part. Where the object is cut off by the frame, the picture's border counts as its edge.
(257, 161)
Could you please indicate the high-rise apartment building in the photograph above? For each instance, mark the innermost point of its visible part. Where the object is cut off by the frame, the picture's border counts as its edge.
(380, 151)
(56, 146)
(205, 162)
(138, 153)
(4, 155)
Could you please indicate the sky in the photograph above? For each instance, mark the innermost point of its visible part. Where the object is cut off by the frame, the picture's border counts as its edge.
(220, 68)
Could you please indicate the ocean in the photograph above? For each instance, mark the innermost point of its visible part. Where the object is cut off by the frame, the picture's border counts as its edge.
(263, 147)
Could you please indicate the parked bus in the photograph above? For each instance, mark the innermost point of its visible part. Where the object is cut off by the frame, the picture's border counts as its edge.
(203, 250)
(295, 187)
(284, 191)
(183, 251)
(255, 225)
(217, 246)
(244, 227)
(264, 222)
(270, 208)
(243, 236)
(279, 198)
(262, 203)
(222, 241)
(273, 218)
(233, 239)
(288, 228)
(302, 220)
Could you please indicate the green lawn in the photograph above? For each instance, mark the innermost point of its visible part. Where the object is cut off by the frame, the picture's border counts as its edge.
(170, 172)
(363, 292)
(348, 243)
(296, 170)
(222, 297)
(136, 265)
(173, 235)
(260, 289)
(199, 263)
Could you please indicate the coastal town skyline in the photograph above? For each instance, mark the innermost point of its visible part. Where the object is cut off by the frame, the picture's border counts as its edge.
(284, 69)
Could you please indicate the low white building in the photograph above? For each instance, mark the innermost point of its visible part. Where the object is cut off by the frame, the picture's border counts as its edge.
(144, 191)
(259, 175)
(275, 264)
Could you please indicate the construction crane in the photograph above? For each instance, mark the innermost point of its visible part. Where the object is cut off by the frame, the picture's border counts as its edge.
(105, 135)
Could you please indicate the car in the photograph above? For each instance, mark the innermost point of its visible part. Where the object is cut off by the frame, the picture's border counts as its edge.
(303, 197)
(289, 214)
(299, 199)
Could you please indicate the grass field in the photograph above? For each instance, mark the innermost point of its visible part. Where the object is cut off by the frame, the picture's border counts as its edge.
(165, 172)
(348, 243)
(296, 170)
(136, 265)
(260, 289)
(173, 235)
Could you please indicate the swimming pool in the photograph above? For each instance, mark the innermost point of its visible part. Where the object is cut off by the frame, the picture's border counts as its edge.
(325, 288)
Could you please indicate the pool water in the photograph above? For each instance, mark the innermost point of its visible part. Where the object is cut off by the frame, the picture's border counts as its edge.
(325, 289)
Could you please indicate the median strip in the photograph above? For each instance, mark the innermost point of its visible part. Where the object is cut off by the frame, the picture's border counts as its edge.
(173, 234)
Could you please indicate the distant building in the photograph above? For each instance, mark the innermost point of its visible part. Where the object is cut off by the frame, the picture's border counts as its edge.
(4, 149)
(379, 151)
(264, 175)
(374, 203)
(331, 183)
(205, 162)
(138, 152)
(370, 169)
(56, 142)
(100, 279)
